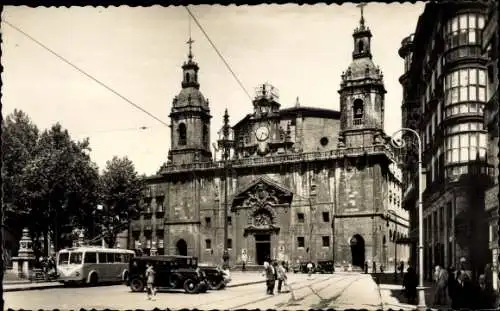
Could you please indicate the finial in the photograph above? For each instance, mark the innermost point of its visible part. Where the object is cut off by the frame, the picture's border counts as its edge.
(190, 41)
(362, 20)
(297, 103)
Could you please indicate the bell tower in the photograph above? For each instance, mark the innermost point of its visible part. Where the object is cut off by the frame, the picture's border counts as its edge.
(190, 118)
(362, 93)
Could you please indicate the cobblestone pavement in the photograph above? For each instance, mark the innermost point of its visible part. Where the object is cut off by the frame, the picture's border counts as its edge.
(339, 290)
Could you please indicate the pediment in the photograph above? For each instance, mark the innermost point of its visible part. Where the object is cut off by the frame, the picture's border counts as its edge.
(261, 192)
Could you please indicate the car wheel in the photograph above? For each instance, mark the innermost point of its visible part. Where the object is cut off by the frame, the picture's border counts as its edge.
(215, 285)
(190, 286)
(93, 279)
(137, 285)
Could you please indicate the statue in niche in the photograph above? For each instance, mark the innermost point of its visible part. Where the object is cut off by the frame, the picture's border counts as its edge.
(262, 220)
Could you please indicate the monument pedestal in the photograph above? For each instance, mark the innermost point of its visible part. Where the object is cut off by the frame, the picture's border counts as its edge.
(23, 263)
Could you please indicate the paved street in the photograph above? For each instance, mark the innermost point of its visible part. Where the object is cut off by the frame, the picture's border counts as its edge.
(340, 290)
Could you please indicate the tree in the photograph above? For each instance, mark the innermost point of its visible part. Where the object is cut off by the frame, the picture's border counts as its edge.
(62, 185)
(121, 190)
(19, 140)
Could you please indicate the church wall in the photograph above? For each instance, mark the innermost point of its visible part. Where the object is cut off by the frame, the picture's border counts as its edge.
(314, 129)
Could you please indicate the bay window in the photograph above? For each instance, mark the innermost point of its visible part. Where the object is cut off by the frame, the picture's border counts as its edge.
(465, 85)
(464, 147)
(464, 29)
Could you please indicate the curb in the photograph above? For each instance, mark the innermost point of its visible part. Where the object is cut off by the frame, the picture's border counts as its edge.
(35, 287)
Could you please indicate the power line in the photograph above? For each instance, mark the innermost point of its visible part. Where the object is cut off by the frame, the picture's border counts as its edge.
(218, 53)
(85, 73)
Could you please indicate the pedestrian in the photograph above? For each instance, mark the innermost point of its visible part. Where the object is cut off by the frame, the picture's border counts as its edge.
(374, 267)
(309, 269)
(410, 285)
(150, 280)
(440, 293)
(453, 287)
(484, 297)
(281, 275)
(366, 267)
(270, 280)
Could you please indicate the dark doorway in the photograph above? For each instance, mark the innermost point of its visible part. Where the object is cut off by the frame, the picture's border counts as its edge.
(181, 248)
(262, 248)
(357, 244)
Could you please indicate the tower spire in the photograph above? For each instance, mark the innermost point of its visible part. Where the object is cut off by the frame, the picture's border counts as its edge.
(190, 42)
(362, 19)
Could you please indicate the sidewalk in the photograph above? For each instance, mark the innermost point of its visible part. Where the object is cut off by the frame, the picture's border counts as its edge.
(238, 278)
(393, 296)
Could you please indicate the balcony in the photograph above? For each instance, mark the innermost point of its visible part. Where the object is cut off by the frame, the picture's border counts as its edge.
(463, 52)
(280, 159)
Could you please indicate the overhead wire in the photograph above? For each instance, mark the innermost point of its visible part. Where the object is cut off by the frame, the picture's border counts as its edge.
(59, 56)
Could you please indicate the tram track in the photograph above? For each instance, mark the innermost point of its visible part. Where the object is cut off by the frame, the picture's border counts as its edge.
(260, 299)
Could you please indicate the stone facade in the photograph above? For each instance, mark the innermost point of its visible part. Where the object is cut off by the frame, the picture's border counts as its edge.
(303, 183)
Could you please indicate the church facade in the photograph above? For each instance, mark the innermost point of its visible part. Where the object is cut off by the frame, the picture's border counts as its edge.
(303, 183)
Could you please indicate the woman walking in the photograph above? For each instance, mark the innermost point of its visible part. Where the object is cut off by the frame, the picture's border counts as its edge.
(282, 278)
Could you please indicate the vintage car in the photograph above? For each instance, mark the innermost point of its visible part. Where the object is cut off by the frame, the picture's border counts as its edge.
(215, 276)
(324, 266)
(170, 274)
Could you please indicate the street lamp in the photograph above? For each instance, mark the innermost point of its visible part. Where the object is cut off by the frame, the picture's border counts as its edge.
(400, 143)
(225, 143)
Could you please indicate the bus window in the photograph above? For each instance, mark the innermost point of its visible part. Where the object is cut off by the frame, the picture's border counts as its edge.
(102, 258)
(111, 257)
(90, 257)
(63, 258)
(75, 258)
(118, 258)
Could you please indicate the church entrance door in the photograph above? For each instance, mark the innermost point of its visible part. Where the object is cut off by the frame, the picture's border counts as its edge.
(262, 248)
(358, 250)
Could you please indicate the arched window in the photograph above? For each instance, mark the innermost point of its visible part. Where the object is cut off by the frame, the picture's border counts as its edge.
(182, 134)
(358, 111)
(187, 77)
(361, 46)
(205, 135)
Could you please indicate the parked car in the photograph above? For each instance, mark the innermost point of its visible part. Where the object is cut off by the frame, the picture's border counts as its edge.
(215, 277)
(170, 274)
(324, 266)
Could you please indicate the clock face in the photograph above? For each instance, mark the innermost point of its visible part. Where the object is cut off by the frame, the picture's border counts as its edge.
(262, 133)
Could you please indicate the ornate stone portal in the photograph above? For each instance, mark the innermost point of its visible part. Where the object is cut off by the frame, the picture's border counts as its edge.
(263, 200)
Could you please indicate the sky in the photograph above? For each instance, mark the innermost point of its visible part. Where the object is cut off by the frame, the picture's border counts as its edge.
(138, 53)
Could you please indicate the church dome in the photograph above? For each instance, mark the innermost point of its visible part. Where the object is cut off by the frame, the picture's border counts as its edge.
(362, 68)
(190, 97)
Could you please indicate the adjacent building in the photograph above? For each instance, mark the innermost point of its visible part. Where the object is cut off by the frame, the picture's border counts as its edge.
(490, 51)
(304, 183)
(445, 86)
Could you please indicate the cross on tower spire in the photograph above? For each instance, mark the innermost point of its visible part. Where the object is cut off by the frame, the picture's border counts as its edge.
(362, 20)
(190, 43)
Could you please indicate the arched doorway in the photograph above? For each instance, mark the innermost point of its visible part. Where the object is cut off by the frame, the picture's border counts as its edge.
(357, 244)
(181, 247)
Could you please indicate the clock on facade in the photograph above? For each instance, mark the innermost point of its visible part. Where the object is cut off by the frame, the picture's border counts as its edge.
(262, 133)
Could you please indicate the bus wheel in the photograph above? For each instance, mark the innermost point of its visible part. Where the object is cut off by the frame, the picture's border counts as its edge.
(93, 279)
(137, 285)
(190, 286)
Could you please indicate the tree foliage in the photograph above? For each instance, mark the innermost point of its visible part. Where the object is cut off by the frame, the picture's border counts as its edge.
(121, 190)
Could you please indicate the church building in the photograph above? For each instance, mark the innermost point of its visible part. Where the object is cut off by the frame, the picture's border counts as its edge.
(303, 183)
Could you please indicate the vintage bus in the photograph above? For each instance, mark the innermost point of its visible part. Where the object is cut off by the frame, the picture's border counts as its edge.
(93, 265)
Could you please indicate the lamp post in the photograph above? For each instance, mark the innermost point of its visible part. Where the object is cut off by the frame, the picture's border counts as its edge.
(400, 143)
(225, 143)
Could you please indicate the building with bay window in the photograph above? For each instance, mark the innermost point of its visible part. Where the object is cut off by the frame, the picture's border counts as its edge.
(490, 50)
(445, 86)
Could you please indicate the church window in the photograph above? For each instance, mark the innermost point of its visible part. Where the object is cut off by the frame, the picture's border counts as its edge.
(229, 243)
(326, 217)
(300, 217)
(229, 221)
(205, 135)
(187, 77)
(208, 244)
(323, 141)
(358, 111)
(326, 241)
(208, 222)
(182, 134)
(360, 46)
(301, 241)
